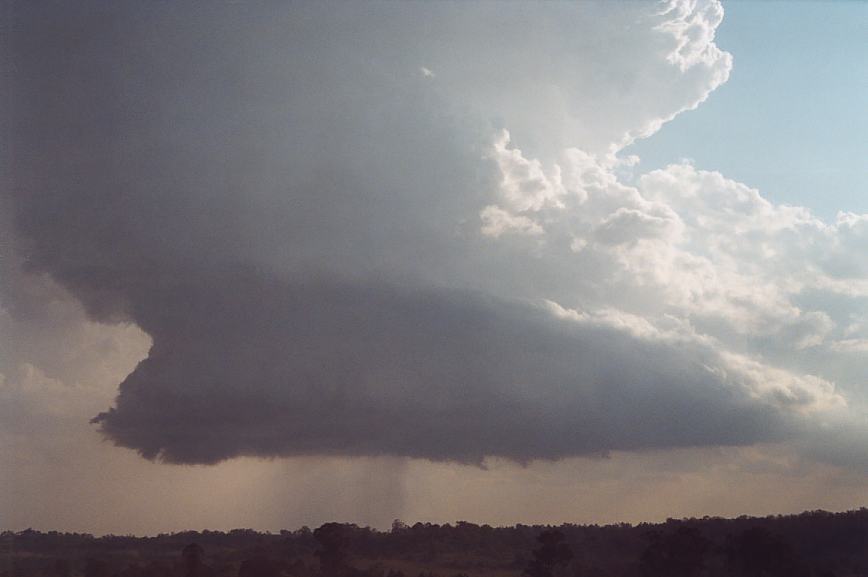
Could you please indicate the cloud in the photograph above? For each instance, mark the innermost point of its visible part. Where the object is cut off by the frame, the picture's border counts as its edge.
(496, 221)
(333, 255)
(439, 375)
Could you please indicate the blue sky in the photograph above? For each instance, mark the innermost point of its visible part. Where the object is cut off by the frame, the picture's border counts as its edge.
(792, 120)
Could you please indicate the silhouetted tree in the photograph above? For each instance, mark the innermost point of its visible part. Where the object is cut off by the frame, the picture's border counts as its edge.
(553, 552)
(816, 543)
(95, 568)
(757, 553)
(680, 553)
(259, 565)
(191, 556)
(332, 554)
(61, 568)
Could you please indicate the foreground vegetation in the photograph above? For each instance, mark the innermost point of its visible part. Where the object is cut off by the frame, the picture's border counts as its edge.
(815, 544)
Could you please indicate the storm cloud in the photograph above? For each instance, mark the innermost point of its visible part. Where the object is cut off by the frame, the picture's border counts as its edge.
(329, 368)
(394, 229)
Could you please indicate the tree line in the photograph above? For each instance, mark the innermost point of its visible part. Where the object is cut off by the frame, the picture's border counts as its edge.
(813, 544)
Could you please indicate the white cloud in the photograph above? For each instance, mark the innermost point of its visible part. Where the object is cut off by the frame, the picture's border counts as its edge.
(524, 185)
(802, 393)
(692, 26)
(850, 345)
(496, 221)
(694, 244)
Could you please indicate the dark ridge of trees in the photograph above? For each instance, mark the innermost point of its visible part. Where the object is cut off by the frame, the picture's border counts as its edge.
(194, 565)
(757, 552)
(813, 544)
(553, 553)
(679, 553)
(333, 539)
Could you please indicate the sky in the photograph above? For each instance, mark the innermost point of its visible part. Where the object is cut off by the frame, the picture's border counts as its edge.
(266, 265)
(790, 121)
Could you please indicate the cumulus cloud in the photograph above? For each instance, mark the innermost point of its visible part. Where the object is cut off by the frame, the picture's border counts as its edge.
(334, 254)
(496, 221)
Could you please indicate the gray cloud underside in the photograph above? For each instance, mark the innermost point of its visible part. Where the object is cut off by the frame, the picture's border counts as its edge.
(335, 368)
(265, 191)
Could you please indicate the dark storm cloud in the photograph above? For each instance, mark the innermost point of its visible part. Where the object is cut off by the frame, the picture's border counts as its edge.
(334, 368)
(265, 191)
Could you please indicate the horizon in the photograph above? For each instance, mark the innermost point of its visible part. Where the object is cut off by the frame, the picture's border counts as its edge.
(517, 263)
(456, 523)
